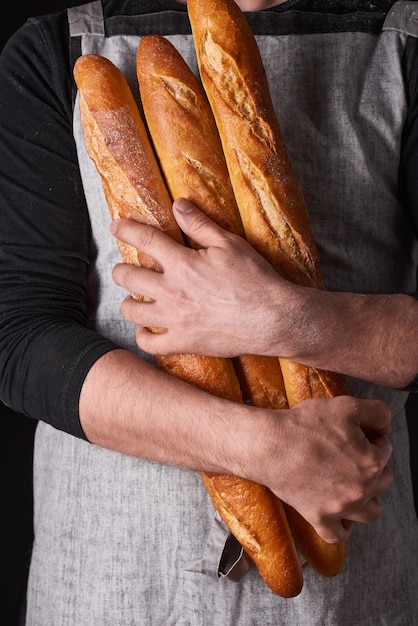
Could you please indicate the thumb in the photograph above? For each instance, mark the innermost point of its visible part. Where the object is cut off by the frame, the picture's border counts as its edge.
(196, 225)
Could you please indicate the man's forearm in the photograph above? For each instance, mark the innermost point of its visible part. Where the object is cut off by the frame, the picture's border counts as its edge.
(128, 406)
(373, 337)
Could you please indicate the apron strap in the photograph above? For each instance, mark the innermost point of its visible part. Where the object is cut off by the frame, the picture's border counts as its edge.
(403, 17)
(86, 19)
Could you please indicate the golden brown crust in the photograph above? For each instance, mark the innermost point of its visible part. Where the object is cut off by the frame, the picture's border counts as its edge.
(107, 104)
(269, 198)
(257, 519)
(303, 382)
(186, 140)
(261, 381)
(212, 374)
(266, 188)
(117, 141)
(184, 135)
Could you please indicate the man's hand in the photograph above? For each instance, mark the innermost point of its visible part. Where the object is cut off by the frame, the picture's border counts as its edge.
(210, 300)
(225, 299)
(335, 465)
(326, 457)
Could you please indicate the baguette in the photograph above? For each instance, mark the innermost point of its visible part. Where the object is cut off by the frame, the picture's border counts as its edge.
(266, 188)
(188, 147)
(117, 141)
(183, 132)
(187, 144)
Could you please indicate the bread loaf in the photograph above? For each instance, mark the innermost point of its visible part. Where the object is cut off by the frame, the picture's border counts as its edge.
(117, 141)
(188, 148)
(189, 151)
(184, 135)
(266, 188)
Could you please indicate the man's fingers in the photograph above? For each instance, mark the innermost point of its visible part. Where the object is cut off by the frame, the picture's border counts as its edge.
(196, 225)
(136, 280)
(193, 222)
(383, 448)
(370, 512)
(375, 420)
(148, 239)
(339, 530)
(335, 530)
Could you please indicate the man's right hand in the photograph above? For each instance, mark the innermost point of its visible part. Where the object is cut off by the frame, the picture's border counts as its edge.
(333, 465)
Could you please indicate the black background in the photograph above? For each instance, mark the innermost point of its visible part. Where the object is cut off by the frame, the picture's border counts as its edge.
(18, 431)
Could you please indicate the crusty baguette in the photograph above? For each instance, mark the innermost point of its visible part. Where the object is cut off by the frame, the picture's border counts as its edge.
(113, 129)
(187, 144)
(185, 137)
(267, 191)
(189, 150)
(260, 523)
(117, 141)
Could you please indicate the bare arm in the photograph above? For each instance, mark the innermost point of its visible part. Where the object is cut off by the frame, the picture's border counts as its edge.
(232, 302)
(191, 429)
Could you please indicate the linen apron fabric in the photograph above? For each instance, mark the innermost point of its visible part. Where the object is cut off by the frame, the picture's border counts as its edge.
(115, 535)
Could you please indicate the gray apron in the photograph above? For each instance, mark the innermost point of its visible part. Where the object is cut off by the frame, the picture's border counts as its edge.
(124, 542)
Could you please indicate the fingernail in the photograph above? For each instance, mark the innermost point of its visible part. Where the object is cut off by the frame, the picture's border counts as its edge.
(183, 206)
(113, 227)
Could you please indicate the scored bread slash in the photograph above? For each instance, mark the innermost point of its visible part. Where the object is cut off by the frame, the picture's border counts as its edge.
(116, 140)
(269, 198)
(134, 188)
(188, 148)
(183, 132)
